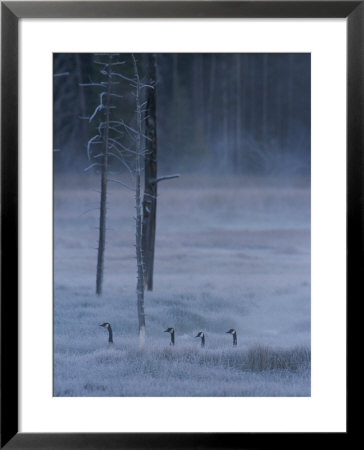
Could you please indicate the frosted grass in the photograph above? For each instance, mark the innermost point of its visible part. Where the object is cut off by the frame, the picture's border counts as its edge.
(128, 371)
(228, 255)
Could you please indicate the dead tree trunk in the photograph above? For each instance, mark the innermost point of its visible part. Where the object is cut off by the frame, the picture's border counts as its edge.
(210, 105)
(103, 196)
(225, 115)
(150, 177)
(138, 207)
(82, 100)
(237, 149)
(265, 100)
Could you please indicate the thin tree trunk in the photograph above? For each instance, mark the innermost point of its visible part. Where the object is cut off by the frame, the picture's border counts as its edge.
(236, 161)
(150, 177)
(103, 196)
(212, 82)
(175, 80)
(253, 99)
(246, 93)
(198, 97)
(211, 96)
(138, 207)
(225, 113)
(290, 102)
(82, 99)
(265, 101)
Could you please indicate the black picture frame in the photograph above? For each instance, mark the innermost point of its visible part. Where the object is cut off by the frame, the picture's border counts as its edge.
(11, 12)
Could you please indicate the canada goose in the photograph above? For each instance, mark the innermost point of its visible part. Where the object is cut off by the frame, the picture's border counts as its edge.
(201, 335)
(108, 326)
(171, 331)
(235, 337)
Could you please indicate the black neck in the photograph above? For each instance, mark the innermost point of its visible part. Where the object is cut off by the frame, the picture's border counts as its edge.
(172, 338)
(203, 341)
(235, 339)
(110, 335)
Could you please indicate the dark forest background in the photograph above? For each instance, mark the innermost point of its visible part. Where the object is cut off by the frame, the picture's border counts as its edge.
(233, 113)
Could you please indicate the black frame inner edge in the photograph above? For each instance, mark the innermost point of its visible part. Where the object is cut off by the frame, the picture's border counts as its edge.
(11, 12)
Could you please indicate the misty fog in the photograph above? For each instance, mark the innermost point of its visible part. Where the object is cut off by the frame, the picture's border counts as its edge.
(232, 243)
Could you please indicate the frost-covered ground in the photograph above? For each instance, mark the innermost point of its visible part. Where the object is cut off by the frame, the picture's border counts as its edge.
(230, 253)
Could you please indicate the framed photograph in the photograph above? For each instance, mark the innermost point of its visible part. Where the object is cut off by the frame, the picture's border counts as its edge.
(181, 221)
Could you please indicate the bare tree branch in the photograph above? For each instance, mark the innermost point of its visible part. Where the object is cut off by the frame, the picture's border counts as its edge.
(166, 177)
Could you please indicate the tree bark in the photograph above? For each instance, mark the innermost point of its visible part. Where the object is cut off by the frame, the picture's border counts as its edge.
(82, 100)
(265, 101)
(198, 97)
(103, 196)
(236, 159)
(210, 104)
(150, 180)
(225, 115)
(288, 133)
(138, 207)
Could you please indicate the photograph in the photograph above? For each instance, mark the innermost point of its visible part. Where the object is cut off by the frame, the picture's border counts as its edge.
(181, 224)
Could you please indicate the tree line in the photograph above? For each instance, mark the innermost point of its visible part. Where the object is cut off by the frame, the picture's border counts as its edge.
(240, 113)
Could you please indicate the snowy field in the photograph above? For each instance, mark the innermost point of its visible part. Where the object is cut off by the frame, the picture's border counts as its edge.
(230, 253)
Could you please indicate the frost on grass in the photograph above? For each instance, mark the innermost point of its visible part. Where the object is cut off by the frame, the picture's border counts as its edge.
(233, 256)
(184, 372)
